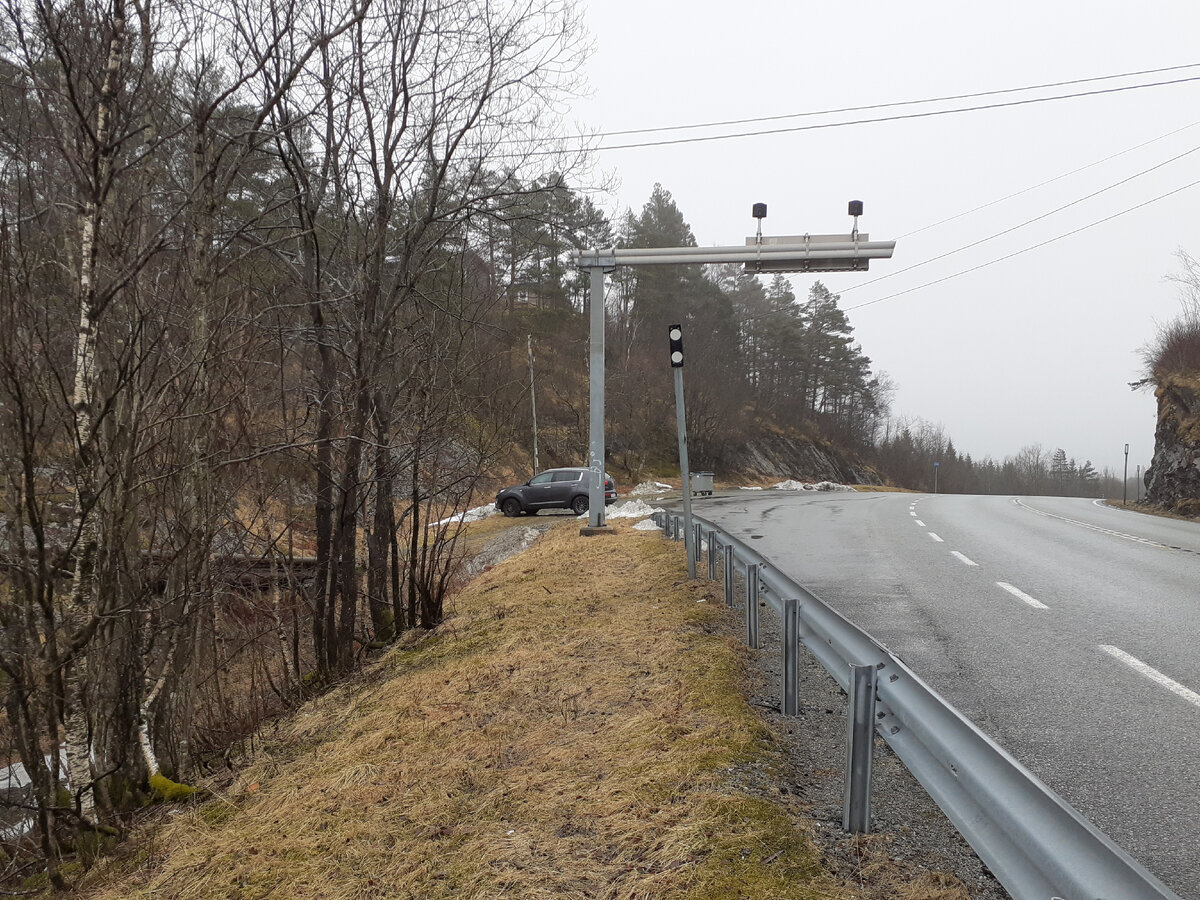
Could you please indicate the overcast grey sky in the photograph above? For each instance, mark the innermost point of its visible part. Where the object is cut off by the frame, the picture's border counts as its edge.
(1036, 349)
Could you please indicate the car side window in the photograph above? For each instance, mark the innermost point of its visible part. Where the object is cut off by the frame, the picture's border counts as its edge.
(544, 478)
(566, 476)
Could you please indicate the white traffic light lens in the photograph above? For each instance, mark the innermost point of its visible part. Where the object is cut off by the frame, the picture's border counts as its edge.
(677, 357)
(676, 334)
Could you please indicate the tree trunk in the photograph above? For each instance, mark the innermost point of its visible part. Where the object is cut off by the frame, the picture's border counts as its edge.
(382, 621)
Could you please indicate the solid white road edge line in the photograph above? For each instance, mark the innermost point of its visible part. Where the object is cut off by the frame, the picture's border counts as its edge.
(1022, 596)
(962, 558)
(1153, 674)
(1091, 527)
(936, 538)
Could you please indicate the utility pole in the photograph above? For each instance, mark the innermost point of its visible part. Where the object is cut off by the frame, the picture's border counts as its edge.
(936, 466)
(533, 402)
(676, 336)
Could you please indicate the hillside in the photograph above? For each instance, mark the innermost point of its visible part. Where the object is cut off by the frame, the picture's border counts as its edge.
(576, 728)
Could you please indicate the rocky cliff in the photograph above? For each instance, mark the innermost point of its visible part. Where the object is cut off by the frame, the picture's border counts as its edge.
(785, 456)
(1173, 479)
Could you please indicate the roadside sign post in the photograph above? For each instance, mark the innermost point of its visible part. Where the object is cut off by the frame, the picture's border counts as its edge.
(805, 253)
(936, 466)
(1125, 480)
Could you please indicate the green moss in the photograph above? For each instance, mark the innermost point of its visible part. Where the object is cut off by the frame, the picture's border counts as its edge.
(92, 845)
(754, 852)
(40, 881)
(36, 882)
(171, 791)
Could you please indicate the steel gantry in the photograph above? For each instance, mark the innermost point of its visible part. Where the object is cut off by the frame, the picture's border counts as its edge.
(804, 253)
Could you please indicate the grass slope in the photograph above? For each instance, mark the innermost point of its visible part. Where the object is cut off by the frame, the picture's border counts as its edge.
(575, 729)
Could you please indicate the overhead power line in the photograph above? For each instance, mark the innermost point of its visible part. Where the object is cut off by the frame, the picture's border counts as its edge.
(896, 118)
(1024, 250)
(897, 103)
(1041, 184)
(1038, 218)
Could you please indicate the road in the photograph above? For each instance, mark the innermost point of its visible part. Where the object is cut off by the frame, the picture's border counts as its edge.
(1067, 630)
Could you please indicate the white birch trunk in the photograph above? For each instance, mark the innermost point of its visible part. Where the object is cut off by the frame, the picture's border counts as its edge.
(77, 746)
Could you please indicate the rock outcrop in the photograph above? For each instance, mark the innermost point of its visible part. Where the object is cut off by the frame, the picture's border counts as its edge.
(783, 456)
(1173, 479)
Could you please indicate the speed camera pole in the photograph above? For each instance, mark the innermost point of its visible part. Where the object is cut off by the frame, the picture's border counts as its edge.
(676, 337)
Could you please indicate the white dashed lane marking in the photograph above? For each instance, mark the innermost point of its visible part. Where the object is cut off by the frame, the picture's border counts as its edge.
(962, 558)
(936, 538)
(1153, 674)
(1022, 596)
(920, 524)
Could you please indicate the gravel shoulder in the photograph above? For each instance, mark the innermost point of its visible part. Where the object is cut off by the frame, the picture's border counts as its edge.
(908, 829)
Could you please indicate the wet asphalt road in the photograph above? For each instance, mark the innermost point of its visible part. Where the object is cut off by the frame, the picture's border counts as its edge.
(1066, 630)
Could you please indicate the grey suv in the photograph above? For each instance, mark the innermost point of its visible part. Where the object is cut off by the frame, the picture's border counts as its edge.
(553, 489)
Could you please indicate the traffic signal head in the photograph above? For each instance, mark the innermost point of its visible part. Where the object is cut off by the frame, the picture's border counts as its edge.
(676, 335)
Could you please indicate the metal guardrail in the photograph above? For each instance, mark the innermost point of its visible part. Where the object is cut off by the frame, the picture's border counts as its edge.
(1035, 843)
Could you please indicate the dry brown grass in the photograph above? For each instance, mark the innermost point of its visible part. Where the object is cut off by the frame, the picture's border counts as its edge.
(575, 731)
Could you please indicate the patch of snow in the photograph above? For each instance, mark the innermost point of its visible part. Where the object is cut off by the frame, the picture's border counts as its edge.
(793, 485)
(790, 485)
(646, 525)
(749, 489)
(471, 515)
(650, 487)
(630, 509)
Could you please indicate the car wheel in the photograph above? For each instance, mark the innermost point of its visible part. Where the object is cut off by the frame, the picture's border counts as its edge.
(511, 507)
(579, 505)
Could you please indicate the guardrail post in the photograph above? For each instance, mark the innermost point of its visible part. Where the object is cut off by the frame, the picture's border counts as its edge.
(727, 558)
(791, 657)
(697, 540)
(677, 529)
(860, 736)
(752, 606)
(712, 556)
